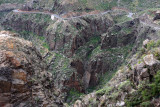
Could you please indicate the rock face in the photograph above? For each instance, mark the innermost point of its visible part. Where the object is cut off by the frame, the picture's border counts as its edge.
(47, 5)
(73, 33)
(157, 17)
(121, 35)
(146, 70)
(23, 78)
(87, 48)
(62, 35)
(123, 84)
(27, 22)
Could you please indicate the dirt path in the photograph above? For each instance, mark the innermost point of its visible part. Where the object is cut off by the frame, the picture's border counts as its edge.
(53, 16)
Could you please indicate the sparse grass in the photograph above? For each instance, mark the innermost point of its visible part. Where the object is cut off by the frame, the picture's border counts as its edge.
(106, 5)
(127, 30)
(121, 19)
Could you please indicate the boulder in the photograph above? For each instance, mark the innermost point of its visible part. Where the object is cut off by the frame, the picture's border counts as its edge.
(152, 64)
(144, 73)
(78, 103)
(157, 16)
(145, 42)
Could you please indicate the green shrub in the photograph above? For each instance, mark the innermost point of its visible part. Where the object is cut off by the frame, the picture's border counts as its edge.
(156, 54)
(151, 44)
(134, 99)
(124, 84)
(145, 93)
(104, 91)
(73, 95)
(146, 104)
(121, 19)
(157, 43)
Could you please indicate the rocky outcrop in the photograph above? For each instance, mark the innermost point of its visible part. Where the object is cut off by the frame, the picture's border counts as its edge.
(73, 33)
(23, 77)
(41, 5)
(157, 16)
(126, 81)
(121, 35)
(125, 37)
(137, 70)
(26, 22)
(146, 70)
(67, 35)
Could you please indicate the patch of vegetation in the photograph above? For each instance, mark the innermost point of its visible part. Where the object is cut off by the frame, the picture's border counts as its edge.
(151, 44)
(95, 40)
(114, 95)
(104, 91)
(60, 65)
(156, 53)
(121, 19)
(146, 104)
(106, 5)
(73, 95)
(113, 59)
(145, 93)
(127, 30)
(38, 41)
(88, 48)
(124, 84)
(106, 78)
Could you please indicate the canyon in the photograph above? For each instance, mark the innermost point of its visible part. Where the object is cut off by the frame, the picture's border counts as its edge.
(77, 54)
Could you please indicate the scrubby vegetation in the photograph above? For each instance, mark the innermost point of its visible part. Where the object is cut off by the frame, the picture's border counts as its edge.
(145, 93)
(96, 55)
(73, 95)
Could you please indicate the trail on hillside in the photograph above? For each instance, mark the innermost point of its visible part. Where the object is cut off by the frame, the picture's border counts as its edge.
(53, 16)
(58, 16)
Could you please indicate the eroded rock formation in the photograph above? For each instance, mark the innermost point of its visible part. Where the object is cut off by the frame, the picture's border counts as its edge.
(23, 78)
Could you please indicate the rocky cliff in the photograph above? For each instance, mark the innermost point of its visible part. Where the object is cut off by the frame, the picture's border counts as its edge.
(80, 57)
(135, 83)
(24, 80)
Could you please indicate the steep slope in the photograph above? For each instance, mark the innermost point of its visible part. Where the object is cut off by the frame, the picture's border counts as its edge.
(135, 83)
(24, 80)
(62, 34)
(82, 51)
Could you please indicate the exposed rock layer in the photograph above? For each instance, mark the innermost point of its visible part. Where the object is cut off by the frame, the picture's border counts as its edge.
(23, 76)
